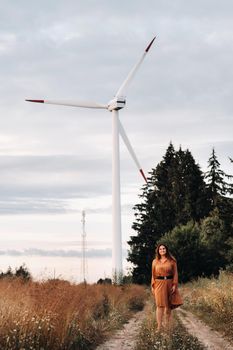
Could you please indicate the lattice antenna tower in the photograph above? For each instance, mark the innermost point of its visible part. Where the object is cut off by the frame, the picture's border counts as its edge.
(84, 246)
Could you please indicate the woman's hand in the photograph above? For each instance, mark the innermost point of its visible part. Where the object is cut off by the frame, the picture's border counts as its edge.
(152, 290)
(173, 289)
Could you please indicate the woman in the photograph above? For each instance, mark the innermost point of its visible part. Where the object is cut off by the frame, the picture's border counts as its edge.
(164, 284)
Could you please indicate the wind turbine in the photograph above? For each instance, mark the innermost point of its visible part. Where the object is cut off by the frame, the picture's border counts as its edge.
(117, 103)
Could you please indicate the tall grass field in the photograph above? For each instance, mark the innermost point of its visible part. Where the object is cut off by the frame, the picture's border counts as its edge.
(177, 339)
(212, 300)
(59, 315)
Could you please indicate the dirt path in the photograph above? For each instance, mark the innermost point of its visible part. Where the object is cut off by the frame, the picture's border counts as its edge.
(211, 339)
(125, 339)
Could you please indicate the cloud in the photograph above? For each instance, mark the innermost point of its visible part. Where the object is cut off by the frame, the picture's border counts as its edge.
(7, 41)
(50, 156)
(90, 253)
(24, 205)
(56, 161)
(45, 183)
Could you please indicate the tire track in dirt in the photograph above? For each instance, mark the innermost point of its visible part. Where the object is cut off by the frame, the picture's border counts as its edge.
(125, 339)
(213, 340)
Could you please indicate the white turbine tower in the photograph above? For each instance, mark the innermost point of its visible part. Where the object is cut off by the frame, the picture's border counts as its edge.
(113, 106)
(84, 235)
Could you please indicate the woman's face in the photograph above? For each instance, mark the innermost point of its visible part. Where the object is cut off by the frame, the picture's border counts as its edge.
(162, 250)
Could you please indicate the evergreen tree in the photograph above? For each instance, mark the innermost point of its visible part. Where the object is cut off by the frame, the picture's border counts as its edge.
(216, 183)
(219, 190)
(231, 189)
(189, 190)
(23, 273)
(175, 194)
(20, 272)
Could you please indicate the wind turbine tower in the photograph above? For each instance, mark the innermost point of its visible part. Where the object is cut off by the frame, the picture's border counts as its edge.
(113, 106)
(84, 235)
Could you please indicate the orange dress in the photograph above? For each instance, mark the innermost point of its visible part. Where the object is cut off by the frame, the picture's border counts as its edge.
(162, 287)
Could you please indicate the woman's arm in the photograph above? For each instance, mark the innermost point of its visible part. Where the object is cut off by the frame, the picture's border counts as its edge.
(152, 275)
(175, 276)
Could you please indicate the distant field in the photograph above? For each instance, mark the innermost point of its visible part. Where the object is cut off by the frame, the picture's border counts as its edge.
(59, 315)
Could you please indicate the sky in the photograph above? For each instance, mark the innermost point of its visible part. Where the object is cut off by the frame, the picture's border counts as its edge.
(56, 161)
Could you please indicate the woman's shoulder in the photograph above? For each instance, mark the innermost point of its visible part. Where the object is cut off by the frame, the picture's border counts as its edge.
(173, 260)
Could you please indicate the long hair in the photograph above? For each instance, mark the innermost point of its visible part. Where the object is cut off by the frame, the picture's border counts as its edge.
(168, 254)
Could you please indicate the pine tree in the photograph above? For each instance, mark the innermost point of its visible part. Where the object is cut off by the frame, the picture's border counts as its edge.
(231, 186)
(149, 220)
(216, 183)
(219, 190)
(189, 190)
(175, 194)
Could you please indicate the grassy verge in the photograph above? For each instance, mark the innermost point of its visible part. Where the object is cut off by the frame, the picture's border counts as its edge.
(212, 301)
(178, 339)
(59, 315)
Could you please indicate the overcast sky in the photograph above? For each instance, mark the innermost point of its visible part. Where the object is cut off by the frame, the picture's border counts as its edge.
(56, 161)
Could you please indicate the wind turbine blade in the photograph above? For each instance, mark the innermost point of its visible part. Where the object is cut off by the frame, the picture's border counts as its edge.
(84, 104)
(122, 89)
(130, 149)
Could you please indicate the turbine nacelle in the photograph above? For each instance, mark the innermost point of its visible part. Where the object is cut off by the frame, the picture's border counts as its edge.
(116, 104)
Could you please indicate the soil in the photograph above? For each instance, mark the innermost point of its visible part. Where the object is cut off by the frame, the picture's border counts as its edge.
(211, 339)
(125, 339)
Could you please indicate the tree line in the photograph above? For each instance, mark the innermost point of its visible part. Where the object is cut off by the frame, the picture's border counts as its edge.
(190, 211)
(21, 272)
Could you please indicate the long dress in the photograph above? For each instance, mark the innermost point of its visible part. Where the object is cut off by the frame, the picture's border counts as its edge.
(162, 287)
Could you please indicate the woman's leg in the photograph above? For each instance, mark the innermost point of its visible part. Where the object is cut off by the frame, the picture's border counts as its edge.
(159, 317)
(168, 314)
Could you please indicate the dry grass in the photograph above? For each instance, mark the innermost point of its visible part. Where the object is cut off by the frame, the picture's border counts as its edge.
(212, 300)
(58, 315)
(178, 338)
